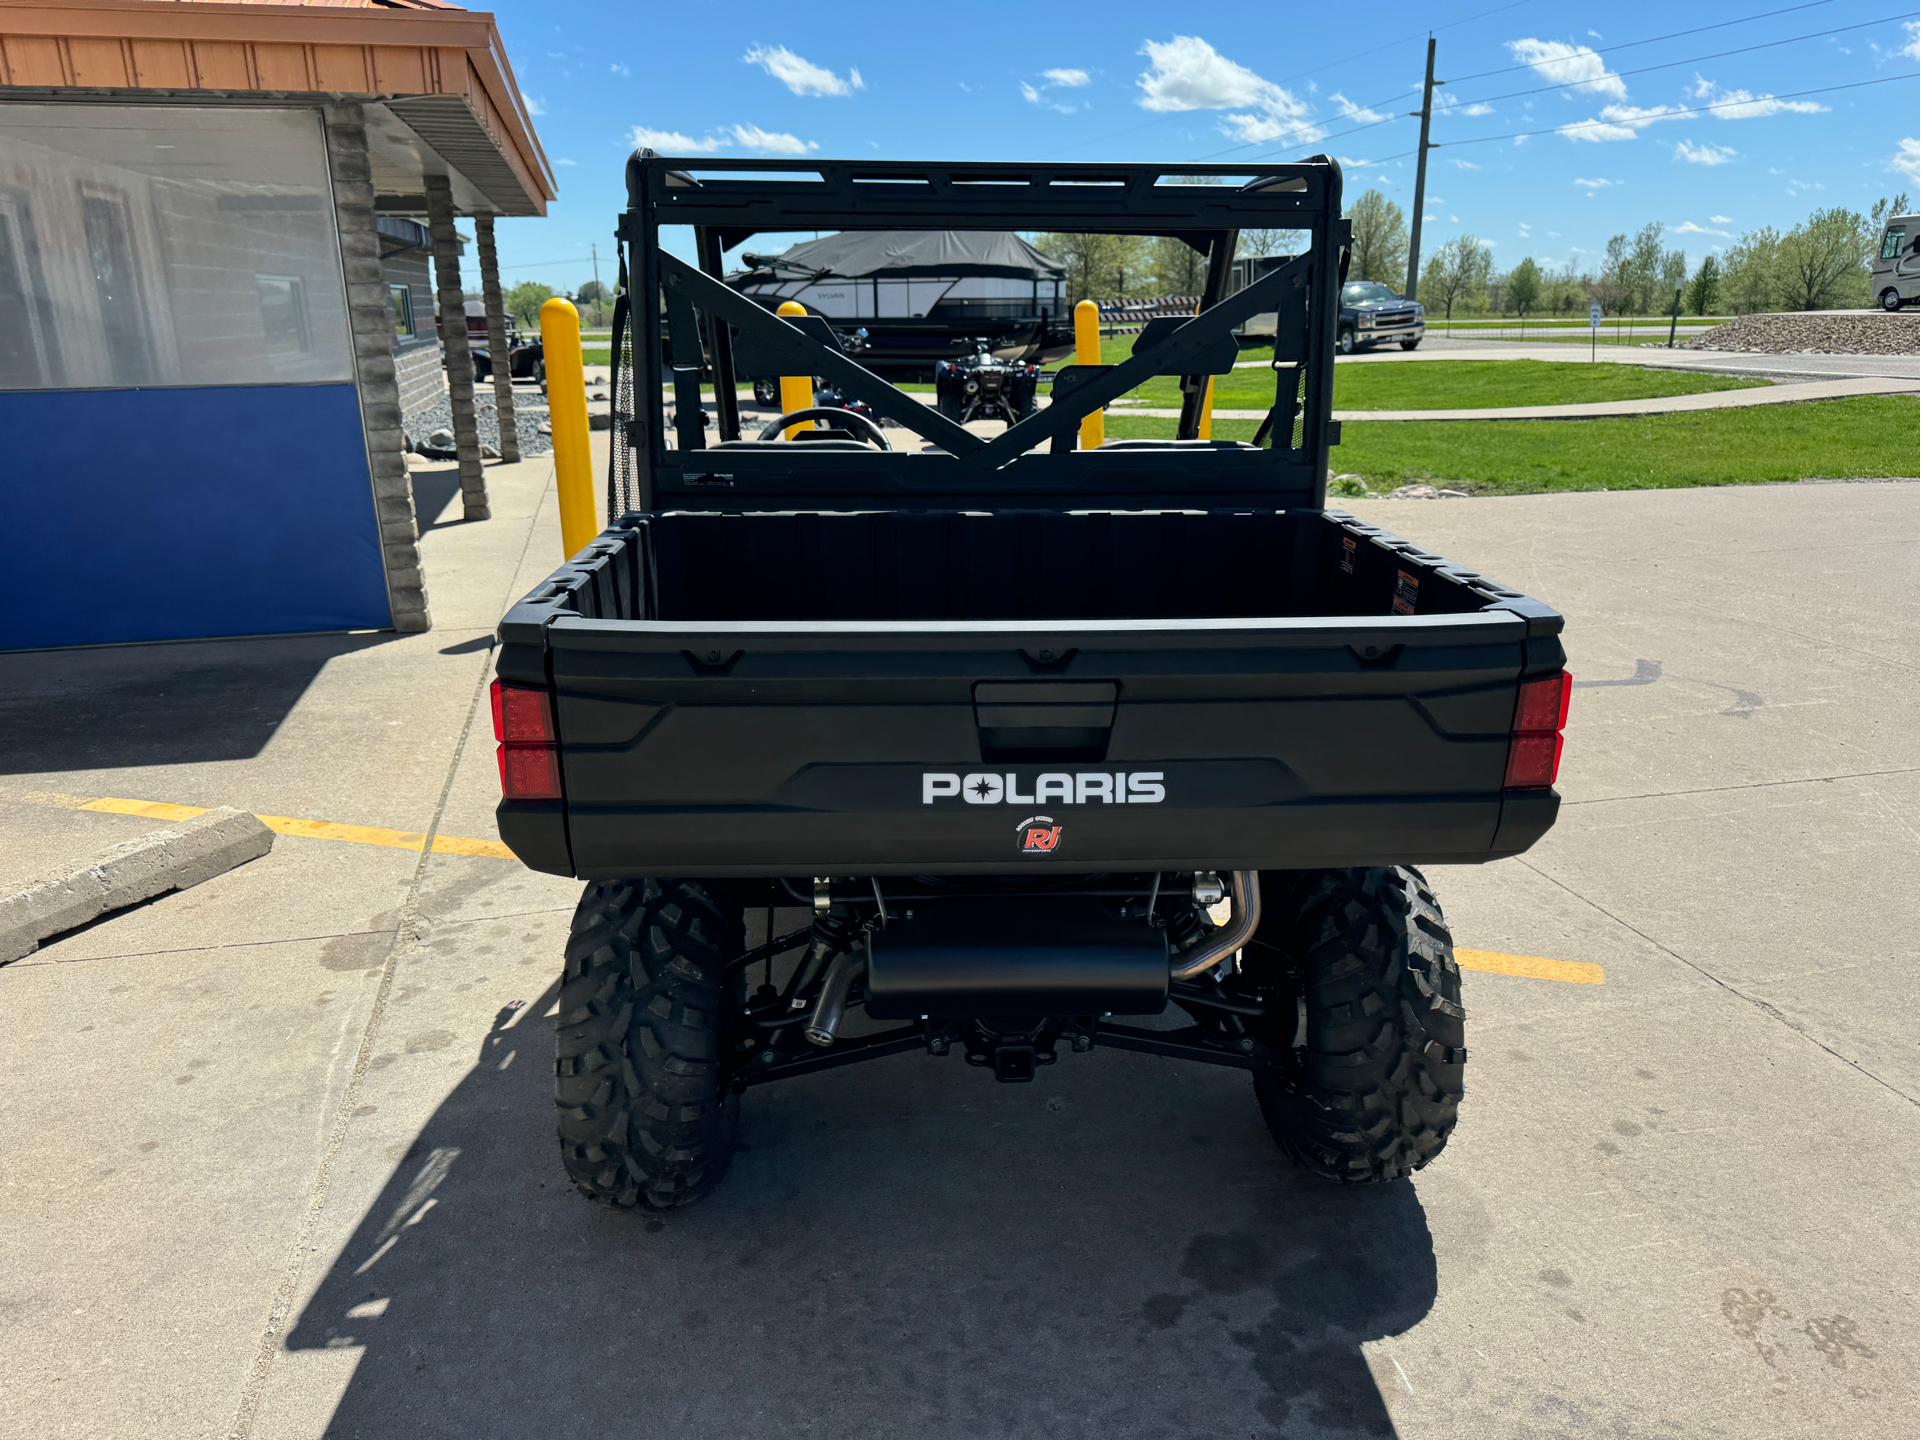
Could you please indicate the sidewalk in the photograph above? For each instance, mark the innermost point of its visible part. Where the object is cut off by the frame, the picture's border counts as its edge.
(1713, 362)
(1783, 394)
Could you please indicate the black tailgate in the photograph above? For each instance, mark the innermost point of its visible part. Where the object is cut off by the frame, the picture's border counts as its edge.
(804, 748)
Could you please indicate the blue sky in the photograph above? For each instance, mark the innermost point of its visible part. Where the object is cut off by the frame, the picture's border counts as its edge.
(1711, 143)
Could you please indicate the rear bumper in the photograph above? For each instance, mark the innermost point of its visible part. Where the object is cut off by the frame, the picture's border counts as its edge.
(610, 842)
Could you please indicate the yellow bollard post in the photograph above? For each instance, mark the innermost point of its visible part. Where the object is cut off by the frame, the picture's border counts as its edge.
(796, 391)
(1206, 432)
(567, 414)
(1087, 351)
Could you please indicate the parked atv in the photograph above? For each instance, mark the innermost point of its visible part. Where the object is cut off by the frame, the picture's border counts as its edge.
(983, 387)
(987, 747)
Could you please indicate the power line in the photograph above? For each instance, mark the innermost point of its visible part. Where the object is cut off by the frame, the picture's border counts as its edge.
(1665, 115)
(1303, 74)
(1654, 39)
(1695, 60)
(1643, 70)
(1624, 45)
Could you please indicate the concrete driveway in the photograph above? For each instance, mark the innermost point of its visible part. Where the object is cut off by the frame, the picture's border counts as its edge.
(278, 1156)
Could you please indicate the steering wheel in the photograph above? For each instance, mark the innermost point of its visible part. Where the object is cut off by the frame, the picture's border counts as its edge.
(827, 412)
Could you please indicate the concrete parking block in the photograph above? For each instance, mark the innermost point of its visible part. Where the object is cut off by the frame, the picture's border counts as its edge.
(171, 858)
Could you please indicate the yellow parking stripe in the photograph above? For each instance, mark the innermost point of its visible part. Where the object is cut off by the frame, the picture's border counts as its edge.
(1538, 968)
(312, 830)
(157, 810)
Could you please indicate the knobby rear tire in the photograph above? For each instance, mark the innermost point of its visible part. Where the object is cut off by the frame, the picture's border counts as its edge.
(643, 1119)
(1373, 1080)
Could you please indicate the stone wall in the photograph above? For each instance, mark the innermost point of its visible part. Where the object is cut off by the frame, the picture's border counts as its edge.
(422, 382)
(370, 318)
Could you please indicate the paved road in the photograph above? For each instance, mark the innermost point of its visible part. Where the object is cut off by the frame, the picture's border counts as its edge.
(278, 1156)
(1791, 367)
(1780, 394)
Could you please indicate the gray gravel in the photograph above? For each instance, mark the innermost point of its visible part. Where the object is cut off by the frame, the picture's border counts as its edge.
(530, 413)
(1815, 333)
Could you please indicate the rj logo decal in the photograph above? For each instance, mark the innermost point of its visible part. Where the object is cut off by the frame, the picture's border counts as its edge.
(1039, 836)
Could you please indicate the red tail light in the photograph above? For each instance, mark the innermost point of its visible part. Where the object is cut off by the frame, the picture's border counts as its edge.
(529, 752)
(1534, 742)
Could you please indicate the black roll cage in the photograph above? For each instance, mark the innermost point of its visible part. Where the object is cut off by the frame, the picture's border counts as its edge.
(687, 320)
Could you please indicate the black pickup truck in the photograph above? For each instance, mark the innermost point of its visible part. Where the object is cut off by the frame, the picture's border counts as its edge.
(903, 737)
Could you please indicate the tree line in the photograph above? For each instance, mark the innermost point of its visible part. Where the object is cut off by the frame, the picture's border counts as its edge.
(1820, 264)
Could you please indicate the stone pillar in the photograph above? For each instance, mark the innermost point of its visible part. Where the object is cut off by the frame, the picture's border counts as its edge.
(497, 339)
(371, 321)
(453, 341)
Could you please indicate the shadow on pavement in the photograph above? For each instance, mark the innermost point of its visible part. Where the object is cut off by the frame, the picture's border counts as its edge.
(164, 703)
(902, 1248)
(434, 490)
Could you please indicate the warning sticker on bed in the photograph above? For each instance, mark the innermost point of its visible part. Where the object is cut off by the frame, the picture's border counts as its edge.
(1406, 592)
(1348, 548)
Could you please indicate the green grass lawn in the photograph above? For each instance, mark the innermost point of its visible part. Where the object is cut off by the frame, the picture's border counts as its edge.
(1463, 385)
(1859, 436)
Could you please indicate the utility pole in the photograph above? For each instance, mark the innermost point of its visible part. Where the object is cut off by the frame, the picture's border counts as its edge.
(1426, 112)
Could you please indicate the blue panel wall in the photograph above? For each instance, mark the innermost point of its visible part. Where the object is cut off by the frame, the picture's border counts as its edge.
(168, 514)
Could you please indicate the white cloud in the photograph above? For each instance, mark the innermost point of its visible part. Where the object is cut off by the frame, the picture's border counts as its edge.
(1445, 101)
(1906, 159)
(672, 142)
(1479, 107)
(1189, 74)
(768, 142)
(1564, 64)
(1745, 104)
(1067, 79)
(1465, 165)
(618, 69)
(1705, 154)
(803, 77)
(1623, 122)
(1592, 185)
(745, 137)
(1913, 48)
(1351, 111)
(534, 107)
(1720, 219)
(1037, 95)
(1688, 227)
(1356, 164)
(563, 160)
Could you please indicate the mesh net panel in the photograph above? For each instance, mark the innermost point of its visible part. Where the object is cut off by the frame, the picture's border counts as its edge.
(623, 483)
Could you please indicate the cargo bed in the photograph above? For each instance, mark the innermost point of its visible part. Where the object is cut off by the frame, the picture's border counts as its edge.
(770, 694)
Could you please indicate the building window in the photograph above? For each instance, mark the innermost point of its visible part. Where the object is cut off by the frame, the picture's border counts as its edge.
(402, 299)
(167, 246)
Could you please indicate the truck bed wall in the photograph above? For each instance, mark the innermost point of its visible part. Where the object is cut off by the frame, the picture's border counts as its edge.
(912, 565)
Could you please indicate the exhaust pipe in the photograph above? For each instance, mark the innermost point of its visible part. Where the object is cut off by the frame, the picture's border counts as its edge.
(833, 998)
(1245, 891)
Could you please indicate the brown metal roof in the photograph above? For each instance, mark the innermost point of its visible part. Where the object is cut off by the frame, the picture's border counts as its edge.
(441, 69)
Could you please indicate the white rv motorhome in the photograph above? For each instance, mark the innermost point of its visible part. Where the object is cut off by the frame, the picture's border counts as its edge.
(1894, 274)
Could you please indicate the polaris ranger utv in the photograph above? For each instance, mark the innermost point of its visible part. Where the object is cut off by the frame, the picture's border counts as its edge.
(990, 747)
